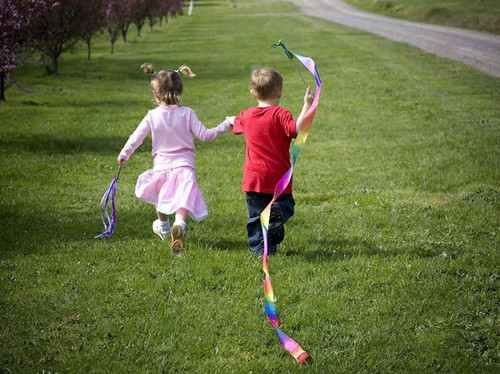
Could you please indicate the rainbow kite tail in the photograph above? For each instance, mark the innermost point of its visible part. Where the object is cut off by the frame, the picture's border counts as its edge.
(288, 343)
(291, 346)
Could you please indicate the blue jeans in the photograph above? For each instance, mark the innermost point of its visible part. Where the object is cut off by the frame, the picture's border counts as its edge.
(256, 202)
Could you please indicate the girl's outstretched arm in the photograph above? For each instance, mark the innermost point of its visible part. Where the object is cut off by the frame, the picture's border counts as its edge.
(135, 140)
(206, 135)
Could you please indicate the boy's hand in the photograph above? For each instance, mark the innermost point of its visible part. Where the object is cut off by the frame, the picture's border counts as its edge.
(231, 120)
(308, 100)
(309, 97)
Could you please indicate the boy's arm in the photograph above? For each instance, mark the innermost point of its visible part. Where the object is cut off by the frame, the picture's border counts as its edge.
(237, 124)
(308, 100)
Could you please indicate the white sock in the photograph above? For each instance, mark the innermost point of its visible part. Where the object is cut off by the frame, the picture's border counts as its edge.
(181, 223)
(165, 225)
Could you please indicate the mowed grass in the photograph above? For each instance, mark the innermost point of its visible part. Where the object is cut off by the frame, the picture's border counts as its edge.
(390, 264)
(483, 15)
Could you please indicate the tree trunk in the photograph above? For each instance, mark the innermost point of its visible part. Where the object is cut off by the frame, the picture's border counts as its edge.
(52, 69)
(2, 86)
(88, 49)
(124, 30)
(151, 22)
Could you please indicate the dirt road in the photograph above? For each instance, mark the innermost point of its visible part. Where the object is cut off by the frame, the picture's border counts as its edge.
(476, 49)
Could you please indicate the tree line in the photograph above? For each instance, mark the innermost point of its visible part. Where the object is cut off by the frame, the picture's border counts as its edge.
(52, 27)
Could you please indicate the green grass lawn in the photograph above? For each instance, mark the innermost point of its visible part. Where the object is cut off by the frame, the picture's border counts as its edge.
(483, 15)
(391, 263)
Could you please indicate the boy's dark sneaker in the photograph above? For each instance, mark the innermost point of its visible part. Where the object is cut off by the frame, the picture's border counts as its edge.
(276, 232)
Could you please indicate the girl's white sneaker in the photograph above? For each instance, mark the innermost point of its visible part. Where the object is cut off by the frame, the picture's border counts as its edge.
(164, 232)
(177, 245)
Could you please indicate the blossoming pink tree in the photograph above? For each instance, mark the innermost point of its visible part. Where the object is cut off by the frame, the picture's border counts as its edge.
(15, 19)
(117, 19)
(94, 21)
(58, 28)
(52, 27)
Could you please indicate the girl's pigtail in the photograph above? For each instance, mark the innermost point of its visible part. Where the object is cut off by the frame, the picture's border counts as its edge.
(147, 68)
(186, 71)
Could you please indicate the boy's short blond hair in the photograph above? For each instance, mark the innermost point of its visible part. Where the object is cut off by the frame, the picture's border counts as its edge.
(266, 82)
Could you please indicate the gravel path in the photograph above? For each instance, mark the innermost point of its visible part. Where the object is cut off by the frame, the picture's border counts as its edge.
(473, 48)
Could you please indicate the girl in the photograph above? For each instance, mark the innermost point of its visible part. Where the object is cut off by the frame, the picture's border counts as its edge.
(171, 184)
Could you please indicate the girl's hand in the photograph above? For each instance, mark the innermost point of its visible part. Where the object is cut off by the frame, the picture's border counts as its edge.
(121, 160)
(231, 120)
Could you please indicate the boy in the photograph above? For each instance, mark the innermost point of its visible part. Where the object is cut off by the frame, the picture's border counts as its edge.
(268, 130)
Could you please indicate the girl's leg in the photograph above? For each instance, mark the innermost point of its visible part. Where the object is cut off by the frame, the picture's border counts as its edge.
(164, 222)
(177, 245)
(180, 217)
(161, 226)
(162, 217)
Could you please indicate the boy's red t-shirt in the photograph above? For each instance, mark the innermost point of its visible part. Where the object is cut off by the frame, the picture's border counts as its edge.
(268, 133)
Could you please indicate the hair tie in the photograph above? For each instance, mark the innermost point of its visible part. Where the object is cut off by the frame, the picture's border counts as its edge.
(153, 74)
(176, 71)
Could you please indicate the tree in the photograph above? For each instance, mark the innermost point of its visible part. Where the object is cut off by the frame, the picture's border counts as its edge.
(15, 19)
(94, 11)
(10, 26)
(153, 11)
(139, 13)
(120, 13)
(157, 9)
(116, 17)
(58, 28)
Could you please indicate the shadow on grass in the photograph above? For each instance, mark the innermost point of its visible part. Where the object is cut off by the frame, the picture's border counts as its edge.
(336, 249)
(30, 231)
(101, 145)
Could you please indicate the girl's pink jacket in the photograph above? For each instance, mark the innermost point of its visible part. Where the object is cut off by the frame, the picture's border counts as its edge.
(172, 129)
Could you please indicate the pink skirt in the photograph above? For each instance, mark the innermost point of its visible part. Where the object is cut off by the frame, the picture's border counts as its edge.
(172, 189)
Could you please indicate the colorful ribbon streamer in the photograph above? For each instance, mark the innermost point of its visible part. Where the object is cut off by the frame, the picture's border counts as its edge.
(288, 343)
(110, 194)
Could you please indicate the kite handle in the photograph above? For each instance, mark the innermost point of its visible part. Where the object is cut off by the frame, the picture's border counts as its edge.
(119, 170)
(290, 56)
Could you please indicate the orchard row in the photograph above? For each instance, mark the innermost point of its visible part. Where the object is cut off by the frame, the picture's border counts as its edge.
(51, 27)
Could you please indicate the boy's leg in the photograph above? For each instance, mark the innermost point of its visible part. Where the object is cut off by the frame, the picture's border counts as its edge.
(281, 211)
(286, 205)
(276, 229)
(256, 202)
